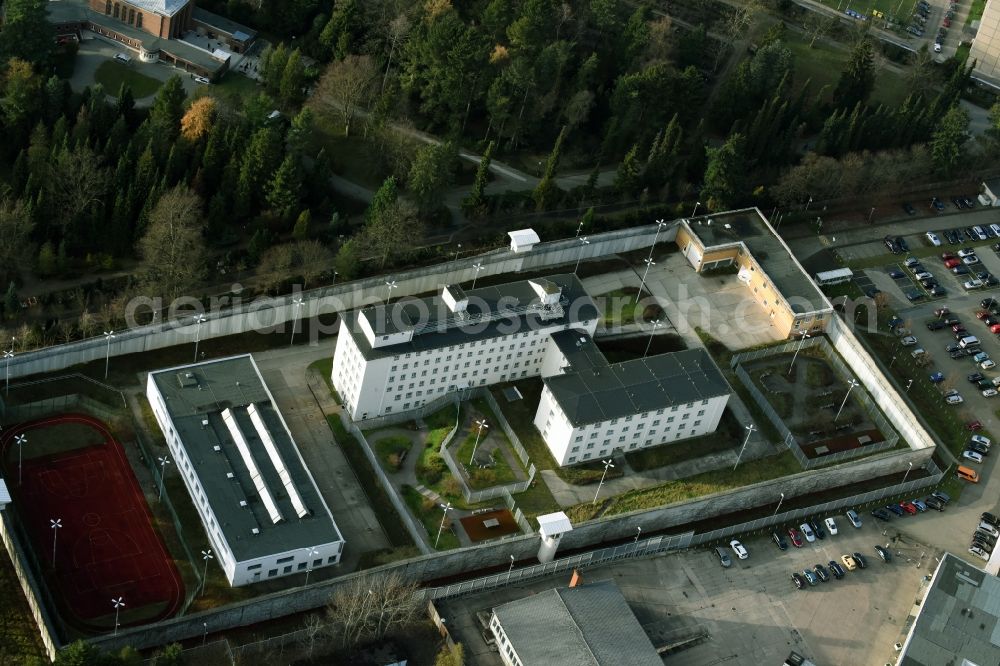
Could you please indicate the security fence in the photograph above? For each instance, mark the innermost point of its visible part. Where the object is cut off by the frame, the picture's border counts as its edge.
(28, 571)
(794, 515)
(816, 347)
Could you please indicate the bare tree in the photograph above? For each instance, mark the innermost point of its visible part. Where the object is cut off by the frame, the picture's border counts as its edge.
(75, 182)
(314, 259)
(88, 323)
(173, 250)
(373, 606)
(819, 25)
(397, 31)
(392, 231)
(312, 628)
(346, 88)
(738, 26)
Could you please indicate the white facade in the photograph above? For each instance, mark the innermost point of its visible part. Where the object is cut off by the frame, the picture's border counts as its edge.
(571, 444)
(507, 653)
(290, 558)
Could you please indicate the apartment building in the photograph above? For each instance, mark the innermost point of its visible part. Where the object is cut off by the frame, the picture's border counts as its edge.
(590, 407)
(397, 357)
(257, 500)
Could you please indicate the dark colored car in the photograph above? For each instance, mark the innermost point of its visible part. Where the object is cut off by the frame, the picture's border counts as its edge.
(959, 203)
(951, 320)
(934, 503)
(901, 244)
(881, 514)
(975, 377)
(779, 541)
(883, 553)
(798, 580)
(969, 201)
(910, 210)
(823, 574)
(942, 495)
(817, 528)
(862, 563)
(836, 569)
(978, 448)
(936, 204)
(935, 325)
(988, 517)
(895, 509)
(952, 237)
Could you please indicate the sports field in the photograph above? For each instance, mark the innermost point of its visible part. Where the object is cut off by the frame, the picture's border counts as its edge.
(106, 546)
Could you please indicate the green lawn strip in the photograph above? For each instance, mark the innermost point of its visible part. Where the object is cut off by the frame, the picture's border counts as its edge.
(620, 307)
(429, 514)
(381, 504)
(975, 11)
(498, 475)
(726, 437)
(232, 87)
(324, 367)
(111, 74)
(748, 473)
(390, 450)
(350, 156)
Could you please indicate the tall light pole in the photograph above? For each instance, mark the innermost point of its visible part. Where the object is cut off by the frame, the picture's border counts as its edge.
(205, 555)
(779, 505)
(482, 424)
(583, 243)
(311, 552)
(649, 264)
(333, 284)
(805, 336)
(510, 568)
(910, 467)
(298, 303)
(607, 465)
(8, 354)
(389, 286)
(446, 508)
(579, 228)
(656, 323)
(808, 203)
(56, 525)
(478, 266)
(21, 440)
(870, 213)
(118, 602)
(909, 383)
(199, 319)
(109, 335)
(457, 250)
(164, 461)
(638, 533)
(750, 430)
(695, 211)
(850, 387)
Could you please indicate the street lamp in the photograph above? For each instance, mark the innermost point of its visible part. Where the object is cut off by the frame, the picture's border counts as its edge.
(21, 440)
(638, 528)
(205, 555)
(583, 243)
(607, 464)
(390, 285)
(56, 524)
(119, 602)
(750, 430)
(311, 552)
(695, 211)
(808, 203)
(8, 354)
(335, 274)
(478, 266)
(910, 467)
(870, 213)
(579, 228)
(482, 424)
(447, 508)
(851, 384)
(510, 568)
(656, 323)
(649, 264)
(805, 335)
(779, 505)
(457, 250)
(109, 335)
(164, 461)
(297, 302)
(909, 383)
(199, 319)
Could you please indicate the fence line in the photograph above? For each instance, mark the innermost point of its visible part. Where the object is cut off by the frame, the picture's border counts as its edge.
(515, 441)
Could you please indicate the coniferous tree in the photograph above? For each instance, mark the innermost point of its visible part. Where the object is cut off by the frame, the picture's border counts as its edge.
(858, 79)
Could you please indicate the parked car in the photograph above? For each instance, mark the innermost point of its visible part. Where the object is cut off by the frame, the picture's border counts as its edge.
(973, 426)
(908, 341)
(990, 392)
(908, 507)
(934, 503)
(973, 456)
(799, 581)
(988, 517)
(989, 529)
(934, 239)
(817, 528)
(779, 541)
(723, 556)
(860, 559)
(935, 325)
(807, 532)
(941, 312)
(936, 204)
(836, 569)
(921, 507)
(849, 562)
(978, 448)
(975, 377)
(853, 517)
(795, 537)
(954, 400)
(942, 495)
(952, 263)
(987, 364)
(822, 573)
(980, 553)
(739, 549)
(810, 577)
(831, 526)
(895, 509)
(881, 514)
(895, 273)
(910, 210)
(884, 553)
(936, 377)
(979, 439)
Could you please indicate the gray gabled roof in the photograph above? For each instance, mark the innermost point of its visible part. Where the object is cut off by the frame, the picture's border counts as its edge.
(587, 625)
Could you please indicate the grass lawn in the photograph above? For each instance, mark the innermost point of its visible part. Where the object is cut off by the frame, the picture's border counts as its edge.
(430, 517)
(754, 471)
(727, 436)
(350, 156)
(497, 475)
(975, 12)
(390, 451)
(620, 307)
(231, 86)
(112, 74)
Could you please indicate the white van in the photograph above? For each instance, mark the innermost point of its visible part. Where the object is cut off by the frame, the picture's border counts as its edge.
(123, 58)
(968, 341)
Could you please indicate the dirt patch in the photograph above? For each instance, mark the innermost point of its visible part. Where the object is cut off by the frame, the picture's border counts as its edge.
(477, 530)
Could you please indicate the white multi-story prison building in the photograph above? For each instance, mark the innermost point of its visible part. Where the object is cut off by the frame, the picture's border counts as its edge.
(258, 503)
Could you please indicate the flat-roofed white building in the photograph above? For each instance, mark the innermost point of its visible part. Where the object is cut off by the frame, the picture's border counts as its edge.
(590, 407)
(257, 500)
(394, 358)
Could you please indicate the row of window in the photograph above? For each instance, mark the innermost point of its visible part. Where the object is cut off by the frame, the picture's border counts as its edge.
(621, 439)
(634, 445)
(125, 13)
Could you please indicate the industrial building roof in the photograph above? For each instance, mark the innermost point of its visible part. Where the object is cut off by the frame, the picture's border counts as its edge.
(249, 466)
(601, 392)
(222, 24)
(586, 625)
(770, 252)
(959, 619)
(492, 312)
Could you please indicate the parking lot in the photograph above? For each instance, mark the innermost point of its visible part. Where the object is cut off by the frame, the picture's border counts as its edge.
(750, 613)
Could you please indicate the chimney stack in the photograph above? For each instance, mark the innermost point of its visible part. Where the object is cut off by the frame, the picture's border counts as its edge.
(577, 579)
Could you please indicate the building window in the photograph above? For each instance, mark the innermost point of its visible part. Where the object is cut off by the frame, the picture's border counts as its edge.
(253, 566)
(131, 16)
(107, 7)
(282, 560)
(272, 573)
(318, 563)
(331, 559)
(117, 9)
(287, 569)
(138, 20)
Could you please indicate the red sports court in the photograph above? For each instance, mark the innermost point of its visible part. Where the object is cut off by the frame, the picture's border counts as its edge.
(106, 546)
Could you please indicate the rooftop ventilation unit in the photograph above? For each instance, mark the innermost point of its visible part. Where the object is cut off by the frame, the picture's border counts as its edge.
(243, 503)
(217, 448)
(230, 475)
(187, 379)
(204, 423)
(255, 531)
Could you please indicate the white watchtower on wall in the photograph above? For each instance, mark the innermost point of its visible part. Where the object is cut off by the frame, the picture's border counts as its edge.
(551, 526)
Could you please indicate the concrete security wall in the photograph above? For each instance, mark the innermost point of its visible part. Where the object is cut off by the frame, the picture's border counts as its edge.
(29, 585)
(271, 314)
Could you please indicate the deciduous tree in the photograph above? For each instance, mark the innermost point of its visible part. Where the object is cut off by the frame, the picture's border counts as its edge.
(346, 88)
(172, 249)
(198, 119)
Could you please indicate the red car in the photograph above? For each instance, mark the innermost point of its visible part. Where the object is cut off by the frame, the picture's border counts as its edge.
(908, 507)
(796, 538)
(982, 314)
(995, 328)
(951, 263)
(973, 426)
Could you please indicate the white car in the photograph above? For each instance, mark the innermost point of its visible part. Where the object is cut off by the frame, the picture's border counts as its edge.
(831, 526)
(919, 351)
(987, 364)
(995, 228)
(924, 275)
(937, 47)
(807, 532)
(954, 400)
(971, 259)
(966, 252)
(739, 549)
(934, 239)
(989, 529)
(980, 553)
(989, 393)
(908, 341)
(979, 439)
(975, 283)
(973, 456)
(951, 392)
(853, 516)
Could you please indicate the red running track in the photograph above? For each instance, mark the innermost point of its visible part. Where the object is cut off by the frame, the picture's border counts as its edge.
(106, 547)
